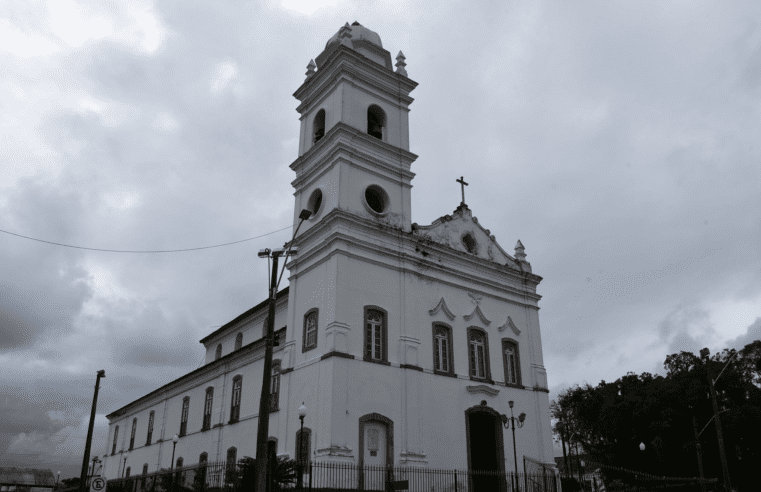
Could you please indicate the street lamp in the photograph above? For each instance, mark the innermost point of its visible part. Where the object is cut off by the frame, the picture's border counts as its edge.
(126, 455)
(86, 458)
(302, 414)
(174, 445)
(521, 419)
(58, 477)
(719, 434)
(262, 458)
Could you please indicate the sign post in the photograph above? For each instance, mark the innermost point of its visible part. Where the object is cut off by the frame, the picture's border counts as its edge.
(97, 484)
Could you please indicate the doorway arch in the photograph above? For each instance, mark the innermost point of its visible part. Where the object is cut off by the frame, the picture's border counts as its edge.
(485, 442)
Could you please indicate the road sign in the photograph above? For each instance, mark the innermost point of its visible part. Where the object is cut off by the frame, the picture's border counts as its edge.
(400, 485)
(97, 485)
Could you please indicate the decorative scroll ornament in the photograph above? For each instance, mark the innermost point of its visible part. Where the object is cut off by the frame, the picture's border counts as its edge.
(509, 324)
(442, 306)
(477, 312)
(482, 388)
(475, 299)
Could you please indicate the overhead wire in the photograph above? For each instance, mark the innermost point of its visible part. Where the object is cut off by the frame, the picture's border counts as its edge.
(141, 251)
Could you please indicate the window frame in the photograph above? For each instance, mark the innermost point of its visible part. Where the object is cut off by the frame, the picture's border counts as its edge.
(239, 341)
(149, 434)
(128, 472)
(116, 438)
(516, 347)
(316, 313)
(132, 434)
(208, 408)
(367, 354)
(230, 464)
(184, 416)
(379, 113)
(235, 407)
(487, 367)
(316, 127)
(218, 352)
(274, 397)
(450, 349)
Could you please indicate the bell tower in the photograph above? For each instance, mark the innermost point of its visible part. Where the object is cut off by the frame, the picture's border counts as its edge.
(354, 140)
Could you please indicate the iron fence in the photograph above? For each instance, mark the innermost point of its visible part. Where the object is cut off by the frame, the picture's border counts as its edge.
(323, 477)
(605, 478)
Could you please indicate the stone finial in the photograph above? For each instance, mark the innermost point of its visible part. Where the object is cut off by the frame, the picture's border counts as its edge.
(310, 68)
(344, 34)
(400, 64)
(519, 251)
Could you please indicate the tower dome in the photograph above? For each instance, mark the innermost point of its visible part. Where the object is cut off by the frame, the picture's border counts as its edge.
(358, 32)
(360, 39)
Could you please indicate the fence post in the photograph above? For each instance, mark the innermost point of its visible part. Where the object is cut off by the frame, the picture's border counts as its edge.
(455, 481)
(310, 475)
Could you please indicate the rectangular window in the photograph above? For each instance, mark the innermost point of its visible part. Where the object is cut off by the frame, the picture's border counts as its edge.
(478, 355)
(512, 362)
(310, 329)
(374, 335)
(132, 436)
(184, 416)
(207, 408)
(116, 436)
(235, 404)
(442, 355)
(275, 388)
(150, 428)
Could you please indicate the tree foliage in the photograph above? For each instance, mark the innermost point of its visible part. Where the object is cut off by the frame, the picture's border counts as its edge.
(610, 420)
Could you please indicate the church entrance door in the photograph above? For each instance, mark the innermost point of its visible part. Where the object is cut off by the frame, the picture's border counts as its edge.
(375, 456)
(485, 454)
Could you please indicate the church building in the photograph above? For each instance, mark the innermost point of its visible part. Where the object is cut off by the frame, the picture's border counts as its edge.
(405, 342)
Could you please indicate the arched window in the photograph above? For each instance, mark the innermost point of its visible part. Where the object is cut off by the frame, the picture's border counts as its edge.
(127, 472)
(375, 346)
(376, 121)
(180, 461)
(207, 408)
(238, 341)
(203, 458)
(232, 457)
(145, 472)
(319, 126)
(150, 428)
(275, 387)
(132, 436)
(235, 403)
(511, 359)
(184, 416)
(310, 329)
(478, 354)
(218, 354)
(145, 469)
(442, 349)
(116, 436)
(179, 476)
(303, 446)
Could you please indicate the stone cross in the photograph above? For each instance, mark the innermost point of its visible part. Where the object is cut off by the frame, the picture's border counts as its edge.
(463, 184)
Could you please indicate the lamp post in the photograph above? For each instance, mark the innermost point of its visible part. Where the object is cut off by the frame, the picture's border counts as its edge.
(124, 468)
(86, 458)
(521, 419)
(719, 434)
(174, 445)
(58, 477)
(262, 458)
(302, 414)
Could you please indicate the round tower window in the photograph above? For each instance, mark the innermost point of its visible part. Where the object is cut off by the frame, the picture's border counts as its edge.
(469, 243)
(315, 202)
(376, 199)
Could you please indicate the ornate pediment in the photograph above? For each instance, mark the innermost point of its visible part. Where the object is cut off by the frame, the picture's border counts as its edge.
(509, 324)
(482, 388)
(477, 312)
(442, 306)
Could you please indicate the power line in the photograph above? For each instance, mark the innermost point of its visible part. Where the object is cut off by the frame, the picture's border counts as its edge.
(141, 251)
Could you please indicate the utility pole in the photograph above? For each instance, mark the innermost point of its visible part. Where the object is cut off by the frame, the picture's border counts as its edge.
(262, 436)
(719, 434)
(86, 458)
(699, 453)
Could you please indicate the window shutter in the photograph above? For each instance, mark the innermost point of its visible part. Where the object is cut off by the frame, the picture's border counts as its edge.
(436, 359)
(472, 357)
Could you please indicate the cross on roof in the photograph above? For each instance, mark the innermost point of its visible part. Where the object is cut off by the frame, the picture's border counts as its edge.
(463, 184)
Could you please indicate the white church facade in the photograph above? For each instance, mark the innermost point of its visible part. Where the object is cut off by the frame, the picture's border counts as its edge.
(404, 342)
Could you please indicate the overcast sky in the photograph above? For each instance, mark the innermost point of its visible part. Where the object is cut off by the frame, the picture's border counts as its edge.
(620, 142)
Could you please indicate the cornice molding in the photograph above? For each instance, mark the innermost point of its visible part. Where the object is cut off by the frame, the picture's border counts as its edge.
(482, 388)
(442, 306)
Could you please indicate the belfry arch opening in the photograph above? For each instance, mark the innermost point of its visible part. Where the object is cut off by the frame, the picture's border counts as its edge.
(319, 126)
(376, 121)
